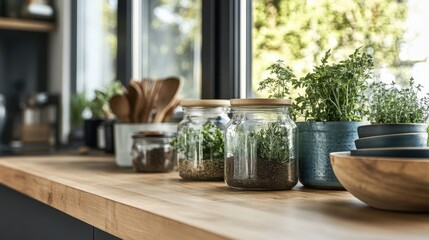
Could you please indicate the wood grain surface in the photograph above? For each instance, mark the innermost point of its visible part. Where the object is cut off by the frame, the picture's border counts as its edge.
(399, 184)
(26, 25)
(162, 206)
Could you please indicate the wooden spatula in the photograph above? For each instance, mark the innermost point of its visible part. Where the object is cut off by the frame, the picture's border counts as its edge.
(171, 109)
(120, 107)
(166, 95)
(135, 98)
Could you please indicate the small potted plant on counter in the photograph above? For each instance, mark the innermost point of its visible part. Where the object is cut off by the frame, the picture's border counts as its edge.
(100, 112)
(78, 104)
(333, 106)
(398, 117)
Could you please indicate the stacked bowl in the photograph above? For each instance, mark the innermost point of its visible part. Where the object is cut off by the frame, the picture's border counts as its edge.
(392, 140)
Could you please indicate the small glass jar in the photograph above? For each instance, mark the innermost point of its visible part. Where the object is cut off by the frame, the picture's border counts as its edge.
(261, 145)
(152, 152)
(200, 139)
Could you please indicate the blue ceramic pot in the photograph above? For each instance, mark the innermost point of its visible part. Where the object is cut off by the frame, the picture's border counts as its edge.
(316, 141)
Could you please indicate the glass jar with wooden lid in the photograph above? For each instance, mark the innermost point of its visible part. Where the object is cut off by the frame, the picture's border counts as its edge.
(260, 145)
(200, 139)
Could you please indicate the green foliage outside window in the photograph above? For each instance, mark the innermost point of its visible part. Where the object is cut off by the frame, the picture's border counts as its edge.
(300, 31)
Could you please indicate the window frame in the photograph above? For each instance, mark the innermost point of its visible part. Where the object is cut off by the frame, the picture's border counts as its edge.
(220, 53)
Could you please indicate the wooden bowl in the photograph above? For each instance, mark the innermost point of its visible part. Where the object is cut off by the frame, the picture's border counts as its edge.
(393, 140)
(398, 184)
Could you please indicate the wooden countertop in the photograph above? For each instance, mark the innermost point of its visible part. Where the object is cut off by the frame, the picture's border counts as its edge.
(161, 206)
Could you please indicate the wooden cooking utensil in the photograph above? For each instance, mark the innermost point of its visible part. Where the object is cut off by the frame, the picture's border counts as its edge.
(120, 107)
(135, 98)
(145, 92)
(171, 109)
(152, 99)
(166, 95)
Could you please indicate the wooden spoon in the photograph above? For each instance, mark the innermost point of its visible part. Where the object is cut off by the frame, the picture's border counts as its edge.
(171, 109)
(135, 98)
(152, 99)
(166, 95)
(144, 105)
(120, 107)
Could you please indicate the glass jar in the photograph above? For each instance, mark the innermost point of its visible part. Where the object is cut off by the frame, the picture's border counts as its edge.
(200, 139)
(152, 152)
(261, 145)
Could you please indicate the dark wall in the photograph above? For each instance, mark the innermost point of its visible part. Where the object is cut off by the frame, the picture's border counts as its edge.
(23, 70)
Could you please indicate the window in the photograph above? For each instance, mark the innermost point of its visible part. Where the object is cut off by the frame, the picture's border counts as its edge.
(168, 37)
(96, 46)
(299, 32)
(132, 39)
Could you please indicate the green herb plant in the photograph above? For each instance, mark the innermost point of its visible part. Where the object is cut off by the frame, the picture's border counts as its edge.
(332, 92)
(272, 143)
(99, 106)
(78, 104)
(336, 92)
(391, 104)
(209, 140)
(277, 85)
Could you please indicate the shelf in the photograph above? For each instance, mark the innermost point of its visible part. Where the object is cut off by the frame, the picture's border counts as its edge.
(26, 25)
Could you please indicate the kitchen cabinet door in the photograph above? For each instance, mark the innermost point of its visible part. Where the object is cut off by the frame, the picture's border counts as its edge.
(23, 218)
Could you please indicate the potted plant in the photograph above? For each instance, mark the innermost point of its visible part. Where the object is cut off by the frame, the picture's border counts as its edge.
(332, 107)
(397, 112)
(78, 104)
(100, 112)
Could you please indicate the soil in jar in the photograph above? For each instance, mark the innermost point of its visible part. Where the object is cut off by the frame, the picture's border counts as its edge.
(270, 175)
(155, 160)
(204, 170)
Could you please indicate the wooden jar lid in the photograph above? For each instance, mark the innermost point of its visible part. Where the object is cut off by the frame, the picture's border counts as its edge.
(260, 102)
(205, 103)
(147, 134)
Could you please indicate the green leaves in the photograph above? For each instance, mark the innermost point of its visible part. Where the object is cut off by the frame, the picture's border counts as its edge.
(272, 142)
(278, 85)
(336, 92)
(99, 106)
(209, 140)
(332, 92)
(297, 30)
(390, 104)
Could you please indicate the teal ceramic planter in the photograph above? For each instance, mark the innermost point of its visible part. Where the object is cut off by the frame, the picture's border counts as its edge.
(316, 141)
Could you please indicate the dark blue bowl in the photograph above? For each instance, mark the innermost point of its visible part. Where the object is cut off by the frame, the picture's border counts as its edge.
(391, 128)
(393, 140)
(393, 152)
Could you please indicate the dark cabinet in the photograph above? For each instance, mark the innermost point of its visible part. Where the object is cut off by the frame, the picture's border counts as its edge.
(24, 218)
